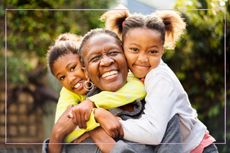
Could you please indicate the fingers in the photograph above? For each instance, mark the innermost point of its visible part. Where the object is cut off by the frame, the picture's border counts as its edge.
(114, 130)
(78, 117)
(121, 132)
(82, 121)
(70, 113)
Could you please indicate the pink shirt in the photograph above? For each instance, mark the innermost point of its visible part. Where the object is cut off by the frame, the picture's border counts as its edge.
(206, 141)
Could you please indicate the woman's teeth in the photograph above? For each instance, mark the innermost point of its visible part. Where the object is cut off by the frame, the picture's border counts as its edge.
(109, 74)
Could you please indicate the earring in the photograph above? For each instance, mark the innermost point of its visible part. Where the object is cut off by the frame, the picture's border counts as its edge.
(88, 85)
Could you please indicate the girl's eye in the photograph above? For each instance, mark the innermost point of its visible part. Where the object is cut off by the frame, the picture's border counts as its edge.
(72, 68)
(134, 50)
(153, 52)
(61, 78)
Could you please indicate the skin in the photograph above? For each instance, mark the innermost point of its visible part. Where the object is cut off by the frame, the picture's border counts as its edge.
(105, 63)
(68, 70)
(106, 66)
(143, 49)
(59, 132)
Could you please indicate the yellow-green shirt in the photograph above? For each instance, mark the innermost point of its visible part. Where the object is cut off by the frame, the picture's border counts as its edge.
(131, 91)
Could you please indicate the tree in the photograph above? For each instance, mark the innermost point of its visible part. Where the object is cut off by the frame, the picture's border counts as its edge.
(199, 61)
(32, 26)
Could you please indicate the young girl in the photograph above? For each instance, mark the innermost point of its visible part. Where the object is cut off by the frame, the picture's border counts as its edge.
(143, 40)
(64, 63)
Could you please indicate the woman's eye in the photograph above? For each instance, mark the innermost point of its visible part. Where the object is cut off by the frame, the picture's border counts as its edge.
(134, 49)
(95, 59)
(113, 53)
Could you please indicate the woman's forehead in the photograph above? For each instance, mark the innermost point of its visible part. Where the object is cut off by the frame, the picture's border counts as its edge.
(103, 37)
(101, 43)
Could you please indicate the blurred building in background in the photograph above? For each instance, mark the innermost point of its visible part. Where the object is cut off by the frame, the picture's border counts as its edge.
(147, 6)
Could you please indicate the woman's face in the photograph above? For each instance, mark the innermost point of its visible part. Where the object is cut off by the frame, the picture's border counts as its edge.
(143, 50)
(68, 70)
(105, 63)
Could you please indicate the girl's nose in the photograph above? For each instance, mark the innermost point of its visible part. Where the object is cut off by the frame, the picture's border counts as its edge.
(71, 79)
(143, 58)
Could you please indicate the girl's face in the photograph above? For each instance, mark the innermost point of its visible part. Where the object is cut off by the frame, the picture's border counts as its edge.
(105, 63)
(143, 50)
(68, 70)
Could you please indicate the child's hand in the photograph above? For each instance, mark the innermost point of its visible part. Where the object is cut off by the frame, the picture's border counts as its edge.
(81, 113)
(59, 131)
(109, 123)
(104, 142)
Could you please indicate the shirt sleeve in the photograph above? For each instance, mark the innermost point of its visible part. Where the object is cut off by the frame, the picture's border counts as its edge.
(67, 98)
(91, 124)
(131, 91)
(150, 128)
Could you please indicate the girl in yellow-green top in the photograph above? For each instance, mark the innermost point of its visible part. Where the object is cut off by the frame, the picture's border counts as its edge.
(65, 65)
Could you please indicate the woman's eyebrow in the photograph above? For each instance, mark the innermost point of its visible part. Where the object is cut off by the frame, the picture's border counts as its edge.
(112, 47)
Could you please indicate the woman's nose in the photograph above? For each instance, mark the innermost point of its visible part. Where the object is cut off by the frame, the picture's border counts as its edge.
(106, 61)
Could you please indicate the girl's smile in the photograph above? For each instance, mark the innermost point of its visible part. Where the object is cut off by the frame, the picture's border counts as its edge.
(68, 70)
(143, 50)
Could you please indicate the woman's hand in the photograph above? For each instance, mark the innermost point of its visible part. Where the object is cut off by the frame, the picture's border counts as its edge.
(109, 123)
(62, 127)
(81, 113)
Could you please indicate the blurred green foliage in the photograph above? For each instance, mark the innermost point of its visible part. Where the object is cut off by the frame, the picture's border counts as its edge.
(199, 61)
(33, 25)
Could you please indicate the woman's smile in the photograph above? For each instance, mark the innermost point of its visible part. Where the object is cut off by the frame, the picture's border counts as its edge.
(110, 75)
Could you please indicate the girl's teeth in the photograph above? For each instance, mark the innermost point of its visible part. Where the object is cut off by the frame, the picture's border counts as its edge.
(77, 85)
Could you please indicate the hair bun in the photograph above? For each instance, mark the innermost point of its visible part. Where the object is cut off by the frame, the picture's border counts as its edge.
(114, 19)
(174, 27)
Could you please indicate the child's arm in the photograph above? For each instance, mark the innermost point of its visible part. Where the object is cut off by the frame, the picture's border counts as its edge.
(160, 101)
(67, 98)
(104, 142)
(131, 91)
(109, 122)
(77, 132)
(59, 132)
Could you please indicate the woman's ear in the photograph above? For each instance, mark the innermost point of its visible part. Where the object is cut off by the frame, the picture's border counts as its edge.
(86, 73)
